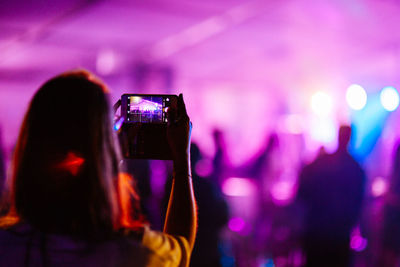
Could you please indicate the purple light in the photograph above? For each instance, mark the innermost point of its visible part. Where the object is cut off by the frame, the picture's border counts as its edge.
(238, 187)
(358, 243)
(236, 224)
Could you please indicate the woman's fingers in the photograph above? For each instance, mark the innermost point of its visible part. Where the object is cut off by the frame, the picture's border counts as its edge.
(171, 115)
(181, 105)
(178, 114)
(182, 108)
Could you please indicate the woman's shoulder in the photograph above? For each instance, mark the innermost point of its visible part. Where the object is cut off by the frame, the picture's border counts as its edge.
(17, 231)
(151, 248)
(174, 249)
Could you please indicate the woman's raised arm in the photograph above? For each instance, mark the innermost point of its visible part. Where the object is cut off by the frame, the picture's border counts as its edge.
(181, 213)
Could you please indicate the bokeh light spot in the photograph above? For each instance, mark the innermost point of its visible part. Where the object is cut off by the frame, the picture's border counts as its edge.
(379, 187)
(239, 187)
(236, 224)
(356, 97)
(358, 243)
(389, 98)
(321, 103)
(106, 62)
(323, 130)
(282, 192)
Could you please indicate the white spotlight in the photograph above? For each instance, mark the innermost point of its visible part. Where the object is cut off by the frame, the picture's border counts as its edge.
(389, 98)
(356, 97)
(321, 103)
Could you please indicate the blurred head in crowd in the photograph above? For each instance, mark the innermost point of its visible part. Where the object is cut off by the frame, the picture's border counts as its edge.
(344, 137)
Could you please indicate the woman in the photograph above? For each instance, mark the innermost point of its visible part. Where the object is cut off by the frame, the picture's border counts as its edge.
(69, 205)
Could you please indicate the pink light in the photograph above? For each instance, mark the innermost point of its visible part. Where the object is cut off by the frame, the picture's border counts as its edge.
(293, 124)
(238, 187)
(236, 224)
(105, 62)
(378, 187)
(204, 167)
(224, 106)
(282, 192)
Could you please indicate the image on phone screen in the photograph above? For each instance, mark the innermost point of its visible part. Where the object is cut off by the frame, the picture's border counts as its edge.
(147, 109)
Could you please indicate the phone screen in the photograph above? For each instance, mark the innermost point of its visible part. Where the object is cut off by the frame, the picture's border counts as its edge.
(148, 108)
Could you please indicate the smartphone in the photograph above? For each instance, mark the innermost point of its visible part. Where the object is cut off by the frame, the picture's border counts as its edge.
(144, 130)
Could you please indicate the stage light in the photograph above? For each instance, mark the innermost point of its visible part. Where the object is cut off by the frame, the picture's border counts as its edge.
(357, 242)
(282, 192)
(368, 125)
(321, 103)
(238, 187)
(389, 98)
(356, 97)
(379, 187)
(236, 224)
(323, 130)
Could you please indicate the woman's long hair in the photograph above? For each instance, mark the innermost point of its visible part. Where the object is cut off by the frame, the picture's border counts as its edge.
(66, 163)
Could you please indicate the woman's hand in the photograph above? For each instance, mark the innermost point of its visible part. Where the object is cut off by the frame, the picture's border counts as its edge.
(178, 134)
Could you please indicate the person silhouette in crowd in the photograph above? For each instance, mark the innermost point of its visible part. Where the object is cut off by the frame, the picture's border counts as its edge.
(390, 251)
(70, 204)
(264, 172)
(220, 160)
(257, 167)
(213, 215)
(331, 189)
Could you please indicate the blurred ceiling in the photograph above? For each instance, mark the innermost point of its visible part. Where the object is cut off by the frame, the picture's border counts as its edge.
(227, 39)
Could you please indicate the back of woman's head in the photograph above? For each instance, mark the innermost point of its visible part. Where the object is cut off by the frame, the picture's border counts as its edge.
(66, 160)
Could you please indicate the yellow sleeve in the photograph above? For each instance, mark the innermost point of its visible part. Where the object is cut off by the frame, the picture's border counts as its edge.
(170, 250)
